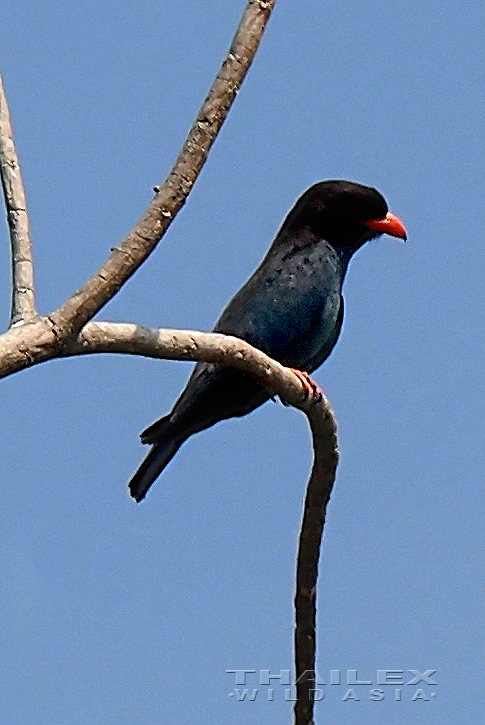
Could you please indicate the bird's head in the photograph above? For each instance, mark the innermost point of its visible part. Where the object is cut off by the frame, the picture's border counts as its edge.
(344, 213)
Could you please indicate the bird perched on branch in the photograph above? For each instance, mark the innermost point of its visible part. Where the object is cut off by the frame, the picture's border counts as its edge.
(291, 308)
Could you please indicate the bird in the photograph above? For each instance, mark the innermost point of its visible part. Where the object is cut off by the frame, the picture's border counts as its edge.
(291, 308)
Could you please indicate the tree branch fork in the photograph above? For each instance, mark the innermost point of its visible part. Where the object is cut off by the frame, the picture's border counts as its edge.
(70, 329)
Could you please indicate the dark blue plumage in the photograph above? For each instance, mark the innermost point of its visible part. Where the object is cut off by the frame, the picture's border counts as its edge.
(291, 308)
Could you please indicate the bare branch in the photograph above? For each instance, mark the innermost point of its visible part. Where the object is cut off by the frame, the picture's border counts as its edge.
(324, 431)
(177, 344)
(212, 347)
(142, 240)
(67, 331)
(31, 344)
(124, 337)
(23, 295)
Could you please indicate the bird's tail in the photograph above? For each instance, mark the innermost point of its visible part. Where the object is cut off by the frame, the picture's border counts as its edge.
(164, 448)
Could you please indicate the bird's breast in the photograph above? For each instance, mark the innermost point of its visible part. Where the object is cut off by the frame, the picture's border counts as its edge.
(291, 308)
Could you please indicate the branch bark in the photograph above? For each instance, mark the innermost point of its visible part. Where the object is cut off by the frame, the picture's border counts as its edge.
(34, 343)
(320, 485)
(23, 294)
(30, 344)
(68, 331)
(212, 347)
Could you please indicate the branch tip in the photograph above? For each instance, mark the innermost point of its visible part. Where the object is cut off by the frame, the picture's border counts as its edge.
(23, 293)
(172, 194)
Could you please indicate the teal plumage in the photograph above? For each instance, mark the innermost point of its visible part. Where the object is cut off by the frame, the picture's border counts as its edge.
(291, 308)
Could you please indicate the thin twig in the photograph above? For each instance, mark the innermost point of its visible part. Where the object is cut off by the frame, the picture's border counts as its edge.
(29, 345)
(58, 335)
(178, 344)
(317, 496)
(23, 295)
(225, 349)
(125, 259)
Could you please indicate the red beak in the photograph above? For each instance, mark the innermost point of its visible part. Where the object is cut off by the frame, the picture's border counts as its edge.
(391, 224)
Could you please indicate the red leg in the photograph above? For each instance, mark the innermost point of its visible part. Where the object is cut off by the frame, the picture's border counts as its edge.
(310, 386)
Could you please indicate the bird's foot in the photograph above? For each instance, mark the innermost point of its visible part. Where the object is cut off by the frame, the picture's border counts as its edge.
(309, 385)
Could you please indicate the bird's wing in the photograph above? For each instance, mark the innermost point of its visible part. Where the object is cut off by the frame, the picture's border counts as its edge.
(214, 392)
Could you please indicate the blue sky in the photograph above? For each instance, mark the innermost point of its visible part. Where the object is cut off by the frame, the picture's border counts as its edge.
(115, 613)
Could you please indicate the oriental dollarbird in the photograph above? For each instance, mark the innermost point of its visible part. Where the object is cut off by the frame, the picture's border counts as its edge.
(291, 308)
